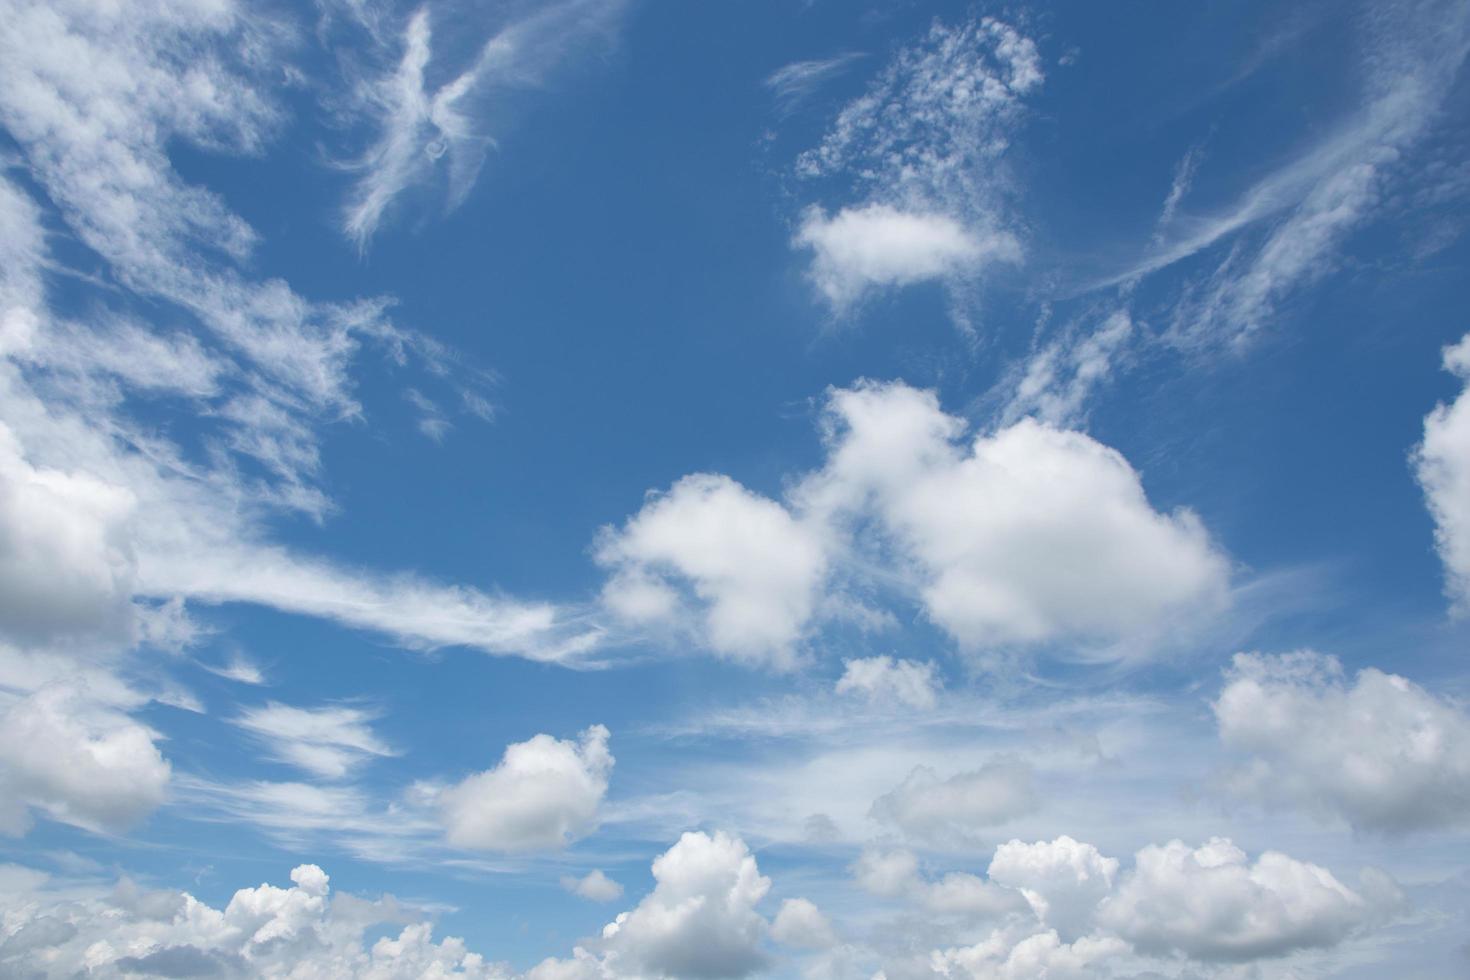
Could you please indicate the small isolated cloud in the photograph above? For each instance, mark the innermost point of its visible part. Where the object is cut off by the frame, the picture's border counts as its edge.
(857, 249)
(1442, 464)
(949, 812)
(328, 742)
(594, 886)
(239, 669)
(1378, 751)
(544, 794)
(908, 682)
(792, 85)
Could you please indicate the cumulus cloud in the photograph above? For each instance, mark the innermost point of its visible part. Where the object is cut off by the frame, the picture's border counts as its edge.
(1062, 880)
(1028, 535)
(922, 153)
(1213, 903)
(1378, 751)
(857, 249)
(1442, 464)
(752, 568)
(267, 931)
(700, 920)
(544, 794)
(328, 742)
(909, 682)
(594, 886)
(79, 761)
(801, 924)
(1012, 954)
(954, 811)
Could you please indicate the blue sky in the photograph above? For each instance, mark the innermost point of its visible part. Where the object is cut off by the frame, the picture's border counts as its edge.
(605, 488)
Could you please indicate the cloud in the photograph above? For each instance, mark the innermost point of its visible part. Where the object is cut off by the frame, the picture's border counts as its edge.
(921, 152)
(953, 812)
(1211, 903)
(421, 130)
(265, 931)
(68, 754)
(594, 886)
(801, 924)
(544, 794)
(327, 742)
(1027, 536)
(1380, 752)
(753, 569)
(700, 920)
(1062, 880)
(792, 85)
(1442, 466)
(878, 245)
(1004, 956)
(909, 682)
(1058, 379)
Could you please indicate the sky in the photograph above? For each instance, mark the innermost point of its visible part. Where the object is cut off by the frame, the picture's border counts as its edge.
(608, 489)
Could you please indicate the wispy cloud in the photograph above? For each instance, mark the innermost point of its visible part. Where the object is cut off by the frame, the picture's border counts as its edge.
(422, 128)
(792, 85)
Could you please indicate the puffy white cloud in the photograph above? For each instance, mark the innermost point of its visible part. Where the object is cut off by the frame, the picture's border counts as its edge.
(1004, 956)
(544, 793)
(895, 874)
(700, 920)
(1212, 903)
(922, 150)
(1379, 751)
(909, 682)
(857, 249)
(1442, 464)
(77, 760)
(1062, 880)
(753, 568)
(954, 811)
(594, 885)
(328, 742)
(1031, 534)
(300, 932)
(801, 924)
(888, 873)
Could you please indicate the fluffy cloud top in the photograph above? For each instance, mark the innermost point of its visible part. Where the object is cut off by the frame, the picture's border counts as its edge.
(801, 924)
(544, 794)
(1062, 880)
(269, 932)
(1028, 535)
(1442, 464)
(594, 886)
(908, 682)
(878, 245)
(1380, 752)
(953, 811)
(1212, 903)
(753, 569)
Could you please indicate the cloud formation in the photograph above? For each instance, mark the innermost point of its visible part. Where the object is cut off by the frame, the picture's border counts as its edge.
(1442, 464)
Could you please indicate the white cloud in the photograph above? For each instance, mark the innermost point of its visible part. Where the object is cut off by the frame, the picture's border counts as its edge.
(421, 130)
(1012, 954)
(594, 886)
(1030, 535)
(1379, 752)
(954, 812)
(1442, 465)
(753, 568)
(908, 682)
(801, 924)
(544, 793)
(76, 759)
(793, 84)
(857, 249)
(922, 150)
(327, 742)
(1212, 903)
(1058, 380)
(700, 920)
(265, 931)
(1062, 880)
